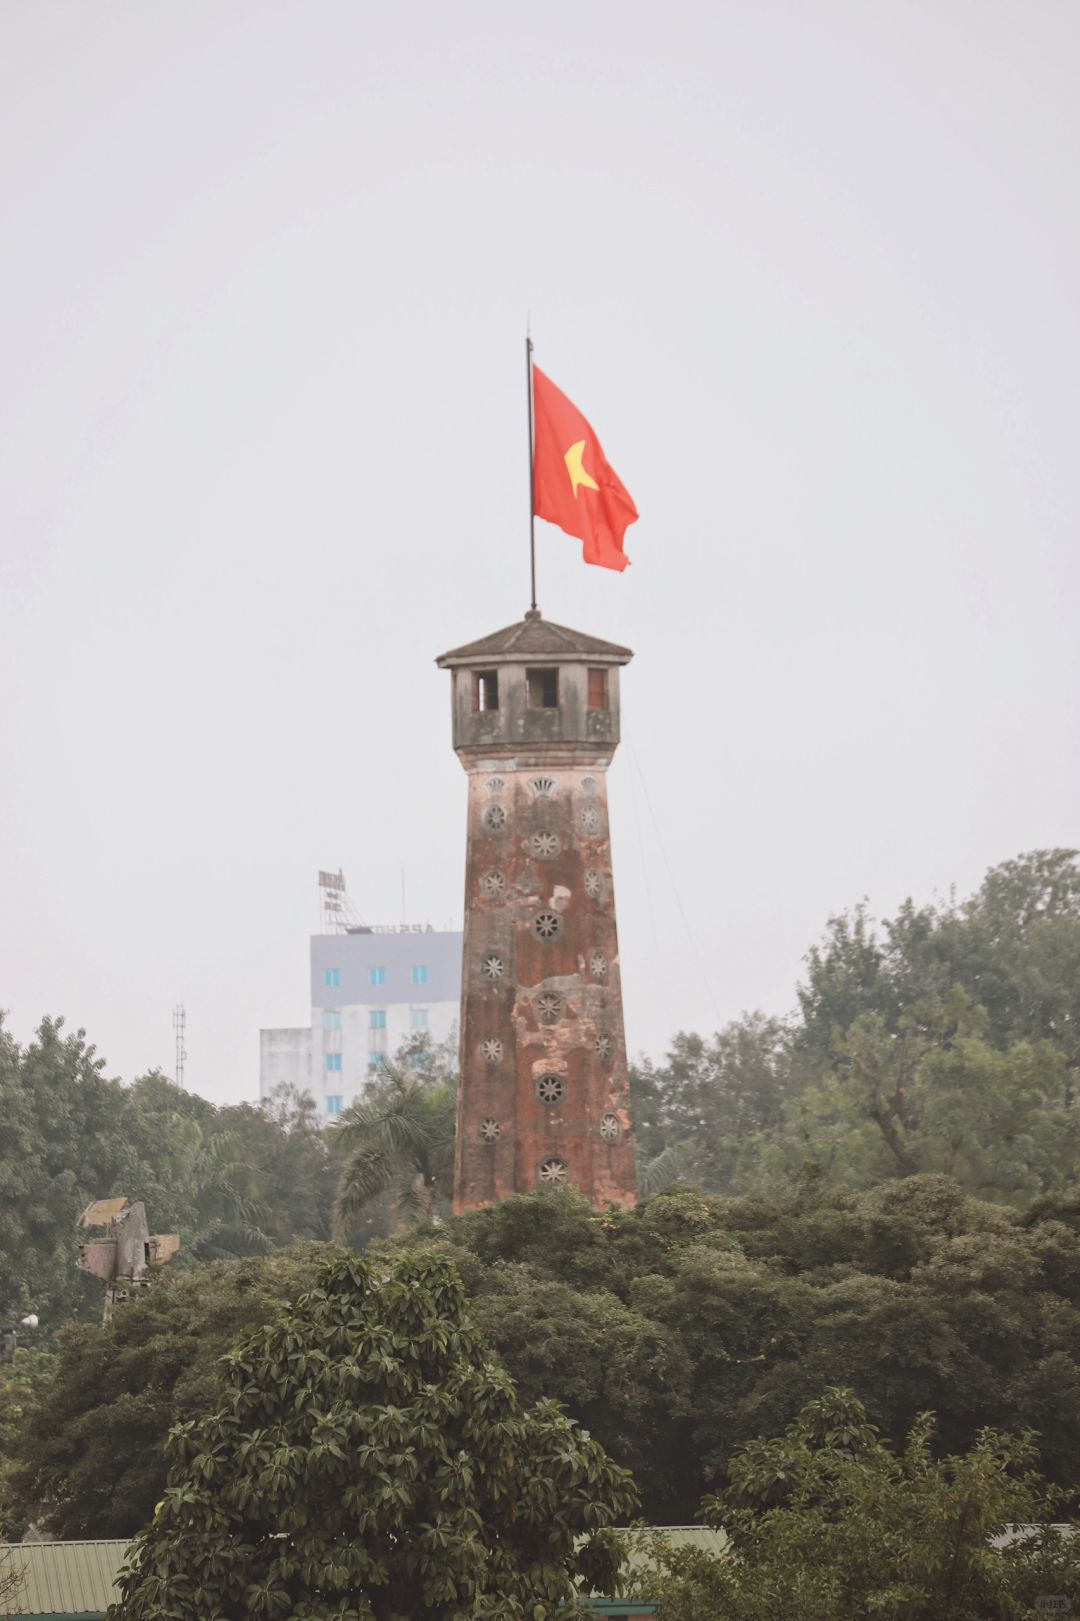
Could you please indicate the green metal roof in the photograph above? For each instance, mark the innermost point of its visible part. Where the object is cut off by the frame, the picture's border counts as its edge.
(63, 1578)
(62, 1581)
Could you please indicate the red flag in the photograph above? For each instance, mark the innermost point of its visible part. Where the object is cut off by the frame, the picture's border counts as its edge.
(574, 485)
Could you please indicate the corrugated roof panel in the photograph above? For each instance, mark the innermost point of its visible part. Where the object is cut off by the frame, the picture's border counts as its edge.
(67, 1578)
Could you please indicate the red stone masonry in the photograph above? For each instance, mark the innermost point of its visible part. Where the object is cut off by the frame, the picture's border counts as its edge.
(544, 1091)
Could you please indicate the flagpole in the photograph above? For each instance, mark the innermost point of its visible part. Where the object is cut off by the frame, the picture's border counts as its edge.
(532, 477)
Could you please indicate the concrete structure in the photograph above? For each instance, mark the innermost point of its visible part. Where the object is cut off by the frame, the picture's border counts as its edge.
(544, 1091)
(371, 989)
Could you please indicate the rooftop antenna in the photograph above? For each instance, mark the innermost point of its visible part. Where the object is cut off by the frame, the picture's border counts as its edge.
(179, 1024)
(337, 912)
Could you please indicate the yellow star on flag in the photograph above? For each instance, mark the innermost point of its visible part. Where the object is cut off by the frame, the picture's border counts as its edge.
(575, 467)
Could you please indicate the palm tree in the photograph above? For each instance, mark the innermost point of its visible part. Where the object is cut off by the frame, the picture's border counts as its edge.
(661, 1173)
(399, 1141)
(226, 1210)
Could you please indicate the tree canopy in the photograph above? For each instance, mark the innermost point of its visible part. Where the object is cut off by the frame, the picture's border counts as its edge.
(368, 1461)
(826, 1520)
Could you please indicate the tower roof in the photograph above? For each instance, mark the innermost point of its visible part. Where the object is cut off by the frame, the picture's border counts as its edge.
(536, 638)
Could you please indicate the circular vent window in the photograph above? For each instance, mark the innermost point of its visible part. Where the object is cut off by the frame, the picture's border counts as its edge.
(553, 1170)
(597, 964)
(594, 883)
(610, 1129)
(491, 1048)
(491, 1129)
(493, 968)
(544, 846)
(549, 1006)
(495, 818)
(547, 925)
(605, 1046)
(493, 885)
(590, 820)
(551, 1089)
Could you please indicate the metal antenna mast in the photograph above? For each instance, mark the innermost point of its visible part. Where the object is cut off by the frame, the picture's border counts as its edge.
(179, 1024)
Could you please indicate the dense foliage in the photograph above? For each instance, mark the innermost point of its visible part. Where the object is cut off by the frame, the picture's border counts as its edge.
(368, 1461)
(90, 1461)
(826, 1521)
(945, 1039)
(233, 1181)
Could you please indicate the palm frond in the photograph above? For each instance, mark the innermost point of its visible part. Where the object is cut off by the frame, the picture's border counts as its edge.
(667, 1168)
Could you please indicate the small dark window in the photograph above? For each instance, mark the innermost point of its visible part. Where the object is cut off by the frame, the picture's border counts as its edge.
(486, 690)
(597, 689)
(543, 689)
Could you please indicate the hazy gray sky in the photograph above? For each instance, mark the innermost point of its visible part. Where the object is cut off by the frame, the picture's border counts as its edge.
(811, 269)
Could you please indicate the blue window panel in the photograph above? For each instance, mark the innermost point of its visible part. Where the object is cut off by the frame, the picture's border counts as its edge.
(331, 1021)
(377, 1061)
(333, 1061)
(331, 977)
(418, 1018)
(333, 1105)
(376, 976)
(377, 1019)
(420, 975)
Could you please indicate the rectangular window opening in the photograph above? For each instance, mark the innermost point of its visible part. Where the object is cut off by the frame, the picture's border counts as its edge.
(598, 696)
(331, 978)
(376, 976)
(486, 690)
(333, 1105)
(418, 1018)
(377, 1019)
(420, 975)
(543, 687)
(333, 1061)
(331, 1021)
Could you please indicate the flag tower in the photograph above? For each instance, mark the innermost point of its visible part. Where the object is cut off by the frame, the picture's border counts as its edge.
(544, 1095)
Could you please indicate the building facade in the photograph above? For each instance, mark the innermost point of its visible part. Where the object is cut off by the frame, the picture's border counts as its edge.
(372, 989)
(544, 1095)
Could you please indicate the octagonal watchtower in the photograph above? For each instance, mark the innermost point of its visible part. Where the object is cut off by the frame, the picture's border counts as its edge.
(544, 1092)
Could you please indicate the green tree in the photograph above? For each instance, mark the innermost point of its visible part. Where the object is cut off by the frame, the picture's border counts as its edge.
(368, 1460)
(88, 1457)
(25, 1380)
(1013, 947)
(826, 1520)
(708, 1095)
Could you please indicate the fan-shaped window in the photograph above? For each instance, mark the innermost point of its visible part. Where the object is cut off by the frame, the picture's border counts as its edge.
(589, 785)
(549, 1007)
(493, 885)
(496, 785)
(543, 787)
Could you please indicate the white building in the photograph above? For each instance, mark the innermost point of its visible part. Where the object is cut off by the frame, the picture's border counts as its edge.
(371, 989)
